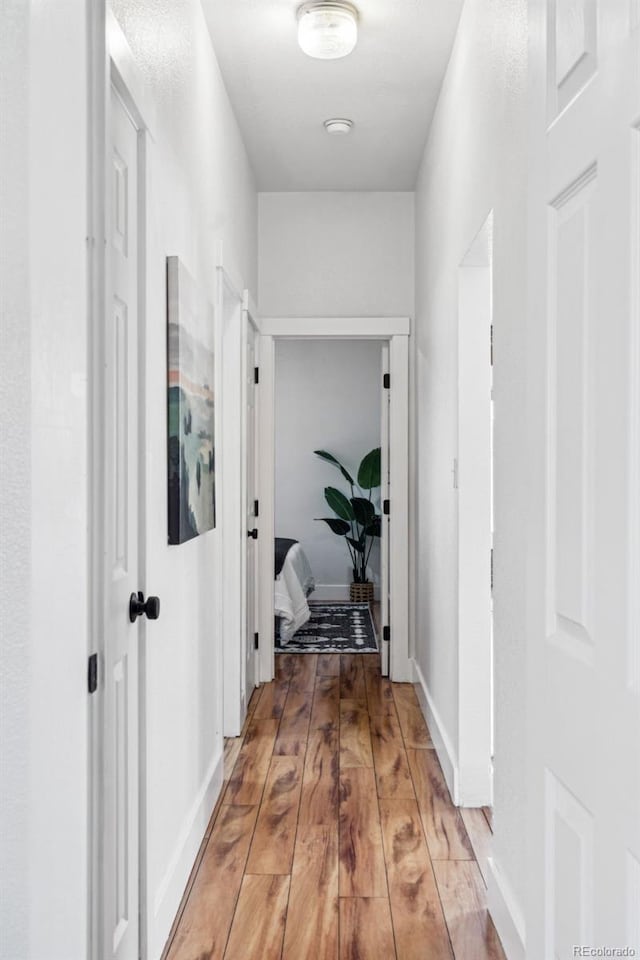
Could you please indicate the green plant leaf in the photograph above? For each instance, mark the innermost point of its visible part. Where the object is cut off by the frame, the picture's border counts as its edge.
(331, 459)
(364, 510)
(341, 527)
(356, 544)
(339, 503)
(369, 470)
(374, 529)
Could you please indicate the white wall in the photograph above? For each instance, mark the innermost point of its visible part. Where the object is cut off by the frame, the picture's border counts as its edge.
(474, 162)
(327, 398)
(201, 191)
(335, 254)
(43, 493)
(15, 487)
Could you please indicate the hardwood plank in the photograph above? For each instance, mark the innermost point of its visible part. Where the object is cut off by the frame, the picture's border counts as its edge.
(291, 746)
(480, 836)
(393, 778)
(271, 703)
(371, 663)
(250, 772)
(362, 870)
(232, 748)
(285, 663)
(355, 737)
(254, 700)
(414, 729)
(464, 902)
(352, 677)
(320, 784)
(446, 836)
(312, 917)
(258, 924)
(366, 932)
(379, 695)
(303, 676)
(326, 702)
(275, 833)
(206, 919)
(294, 723)
(418, 921)
(488, 812)
(328, 665)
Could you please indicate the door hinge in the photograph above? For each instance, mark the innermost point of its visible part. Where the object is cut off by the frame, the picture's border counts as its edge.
(256, 508)
(455, 473)
(386, 634)
(92, 673)
(491, 346)
(491, 569)
(256, 641)
(256, 374)
(386, 507)
(386, 381)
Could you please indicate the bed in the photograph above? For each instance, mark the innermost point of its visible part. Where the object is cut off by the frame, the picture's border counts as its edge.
(294, 583)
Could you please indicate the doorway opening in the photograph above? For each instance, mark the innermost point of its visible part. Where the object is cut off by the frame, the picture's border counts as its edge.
(386, 340)
(474, 481)
(329, 521)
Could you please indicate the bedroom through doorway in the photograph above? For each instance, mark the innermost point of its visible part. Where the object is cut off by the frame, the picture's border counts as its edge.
(331, 489)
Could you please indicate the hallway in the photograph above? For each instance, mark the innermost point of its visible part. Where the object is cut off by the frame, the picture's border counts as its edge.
(335, 834)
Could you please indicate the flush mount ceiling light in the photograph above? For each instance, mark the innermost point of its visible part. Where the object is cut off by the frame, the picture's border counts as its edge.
(338, 126)
(327, 29)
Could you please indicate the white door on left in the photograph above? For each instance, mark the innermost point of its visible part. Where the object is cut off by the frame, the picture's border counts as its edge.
(121, 539)
(252, 512)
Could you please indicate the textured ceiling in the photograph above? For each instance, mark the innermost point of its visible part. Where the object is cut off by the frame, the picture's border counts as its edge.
(388, 86)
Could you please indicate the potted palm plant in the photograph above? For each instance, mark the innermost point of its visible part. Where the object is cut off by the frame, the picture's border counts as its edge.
(356, 519)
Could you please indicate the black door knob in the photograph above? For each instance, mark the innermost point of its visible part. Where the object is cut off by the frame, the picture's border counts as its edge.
(253, 533)
(139, 606)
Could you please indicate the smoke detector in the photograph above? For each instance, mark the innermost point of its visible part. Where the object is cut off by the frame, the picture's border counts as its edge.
(338, 126)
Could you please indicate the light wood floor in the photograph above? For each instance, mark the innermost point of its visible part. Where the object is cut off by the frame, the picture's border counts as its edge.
(335, 836)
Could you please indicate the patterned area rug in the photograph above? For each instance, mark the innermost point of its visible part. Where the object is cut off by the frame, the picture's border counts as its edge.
(334, 628)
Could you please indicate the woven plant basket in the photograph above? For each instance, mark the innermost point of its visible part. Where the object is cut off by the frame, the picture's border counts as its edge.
(361, 592)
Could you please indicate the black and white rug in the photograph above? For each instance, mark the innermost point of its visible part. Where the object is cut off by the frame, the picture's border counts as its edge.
(334, 628)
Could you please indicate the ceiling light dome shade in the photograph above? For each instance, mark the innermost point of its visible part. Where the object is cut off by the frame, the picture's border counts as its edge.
(327, 29)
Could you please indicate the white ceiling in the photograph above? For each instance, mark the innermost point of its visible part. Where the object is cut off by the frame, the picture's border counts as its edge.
(388, 86)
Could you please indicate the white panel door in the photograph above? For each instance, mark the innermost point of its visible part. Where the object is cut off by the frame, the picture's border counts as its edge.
(385, 611)
(252, 514)
(583, 369)
(122, 574)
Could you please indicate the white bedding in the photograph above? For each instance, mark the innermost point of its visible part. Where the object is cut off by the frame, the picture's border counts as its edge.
(292, 587)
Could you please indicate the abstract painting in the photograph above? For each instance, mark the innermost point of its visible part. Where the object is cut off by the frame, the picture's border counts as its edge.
(191, 410)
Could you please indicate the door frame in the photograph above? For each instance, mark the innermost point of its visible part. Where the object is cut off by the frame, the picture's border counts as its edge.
(473, 479)
(111, 63)
(396, 331)
(229, 486)
(249, 314)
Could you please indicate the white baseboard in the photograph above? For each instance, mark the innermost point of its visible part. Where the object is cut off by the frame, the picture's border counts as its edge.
(444, 748)
(172, 886)
(505, 913)
(335, 593)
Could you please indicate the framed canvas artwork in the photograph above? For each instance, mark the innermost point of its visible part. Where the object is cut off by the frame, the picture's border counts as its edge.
(191, 407)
